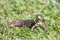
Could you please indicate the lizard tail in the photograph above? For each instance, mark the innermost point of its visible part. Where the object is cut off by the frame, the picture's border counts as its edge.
(4, 28)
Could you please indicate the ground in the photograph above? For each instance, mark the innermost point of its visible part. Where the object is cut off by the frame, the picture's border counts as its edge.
(12, 10)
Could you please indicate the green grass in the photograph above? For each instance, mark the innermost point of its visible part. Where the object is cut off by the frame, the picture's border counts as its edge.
(12, 10)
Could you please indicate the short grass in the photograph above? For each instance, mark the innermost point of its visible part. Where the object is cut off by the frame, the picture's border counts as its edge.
(12, 10)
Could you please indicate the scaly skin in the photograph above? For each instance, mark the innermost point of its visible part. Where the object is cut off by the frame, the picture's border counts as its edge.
(19, 24)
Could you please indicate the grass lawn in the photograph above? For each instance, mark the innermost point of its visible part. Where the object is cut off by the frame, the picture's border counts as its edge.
(12, 10)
